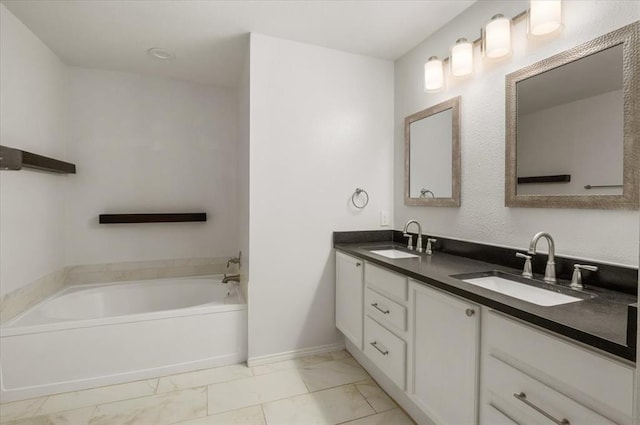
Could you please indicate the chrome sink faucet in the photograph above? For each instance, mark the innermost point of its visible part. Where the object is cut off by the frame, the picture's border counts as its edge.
(407, 235)
(550, 270)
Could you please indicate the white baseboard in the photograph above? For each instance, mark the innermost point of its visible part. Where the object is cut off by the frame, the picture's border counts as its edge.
(288, 355)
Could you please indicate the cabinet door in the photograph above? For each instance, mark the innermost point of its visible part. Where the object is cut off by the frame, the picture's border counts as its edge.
(445, 356)
(349, 297)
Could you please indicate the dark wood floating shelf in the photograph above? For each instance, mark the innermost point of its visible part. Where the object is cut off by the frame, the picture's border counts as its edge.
(17, 159)
(151, 218)
(560, 178)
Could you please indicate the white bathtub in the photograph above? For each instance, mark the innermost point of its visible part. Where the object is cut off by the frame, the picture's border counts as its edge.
(93, 335)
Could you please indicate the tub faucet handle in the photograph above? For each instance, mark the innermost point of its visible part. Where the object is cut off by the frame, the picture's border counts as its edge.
(576, 279)
(526, 270)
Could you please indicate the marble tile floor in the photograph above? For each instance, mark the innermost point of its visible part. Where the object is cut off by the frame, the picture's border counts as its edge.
(326, 389)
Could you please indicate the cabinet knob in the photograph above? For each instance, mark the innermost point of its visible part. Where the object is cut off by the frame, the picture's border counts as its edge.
(470, 312)
(358, 264)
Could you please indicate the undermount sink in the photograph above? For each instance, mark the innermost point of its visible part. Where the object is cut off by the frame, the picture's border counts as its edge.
(535, 292)
(393, 253)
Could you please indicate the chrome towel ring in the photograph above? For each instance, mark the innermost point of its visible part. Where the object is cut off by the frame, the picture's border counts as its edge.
(357, 194)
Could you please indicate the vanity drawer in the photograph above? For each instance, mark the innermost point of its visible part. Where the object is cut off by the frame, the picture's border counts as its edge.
(386, 350)
(386, 282)
(493, 415)
(533, 398)
(601, 382)
(385, 311)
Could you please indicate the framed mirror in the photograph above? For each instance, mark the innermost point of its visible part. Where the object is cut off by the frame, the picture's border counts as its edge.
(572, 127)
(432, 156)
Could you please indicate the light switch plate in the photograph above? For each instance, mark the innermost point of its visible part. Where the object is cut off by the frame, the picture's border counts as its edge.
(384, 218)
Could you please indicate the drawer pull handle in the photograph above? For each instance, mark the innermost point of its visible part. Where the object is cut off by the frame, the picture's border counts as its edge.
(470, 312)
(375, 305)
(358, 264)
(375, 345)
(523, 398)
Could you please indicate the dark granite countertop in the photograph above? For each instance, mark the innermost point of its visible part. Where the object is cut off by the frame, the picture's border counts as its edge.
(600, 322)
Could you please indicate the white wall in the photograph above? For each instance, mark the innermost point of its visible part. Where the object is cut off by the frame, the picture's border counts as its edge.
(33, 117)
(581, 138)
(321, 125)
(145, 144)
(603, 235)
(243, 172)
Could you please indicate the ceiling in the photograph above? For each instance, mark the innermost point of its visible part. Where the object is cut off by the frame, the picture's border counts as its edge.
(209, 37)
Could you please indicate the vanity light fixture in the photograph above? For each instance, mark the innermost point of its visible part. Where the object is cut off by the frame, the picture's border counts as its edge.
(497, 37)
(462, 58)
(433, 75)
(543, 17)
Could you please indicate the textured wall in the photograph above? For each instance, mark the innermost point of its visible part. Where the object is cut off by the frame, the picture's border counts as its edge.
(610, 236)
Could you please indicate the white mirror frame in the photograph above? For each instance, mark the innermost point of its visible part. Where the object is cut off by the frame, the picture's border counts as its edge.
(629, 38)
(454, 200)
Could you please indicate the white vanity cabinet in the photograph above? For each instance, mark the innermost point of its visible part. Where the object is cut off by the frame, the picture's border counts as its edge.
(444, 355)
(533, 376)
(449, 361)
(349, 297)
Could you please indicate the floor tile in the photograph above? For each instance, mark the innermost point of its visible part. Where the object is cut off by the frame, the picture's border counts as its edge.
(20, 409)
(255, 390)
(326, 407)
(376, 397)
(248, 416)
(72, 417)
(203, 377)
(390, 417)
(159, 409)
(339, 355)
(291, 364)
(332, 374)
(95, 396)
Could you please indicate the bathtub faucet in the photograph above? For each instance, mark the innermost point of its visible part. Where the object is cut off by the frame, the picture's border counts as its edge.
(234, 260)
(231, 278)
